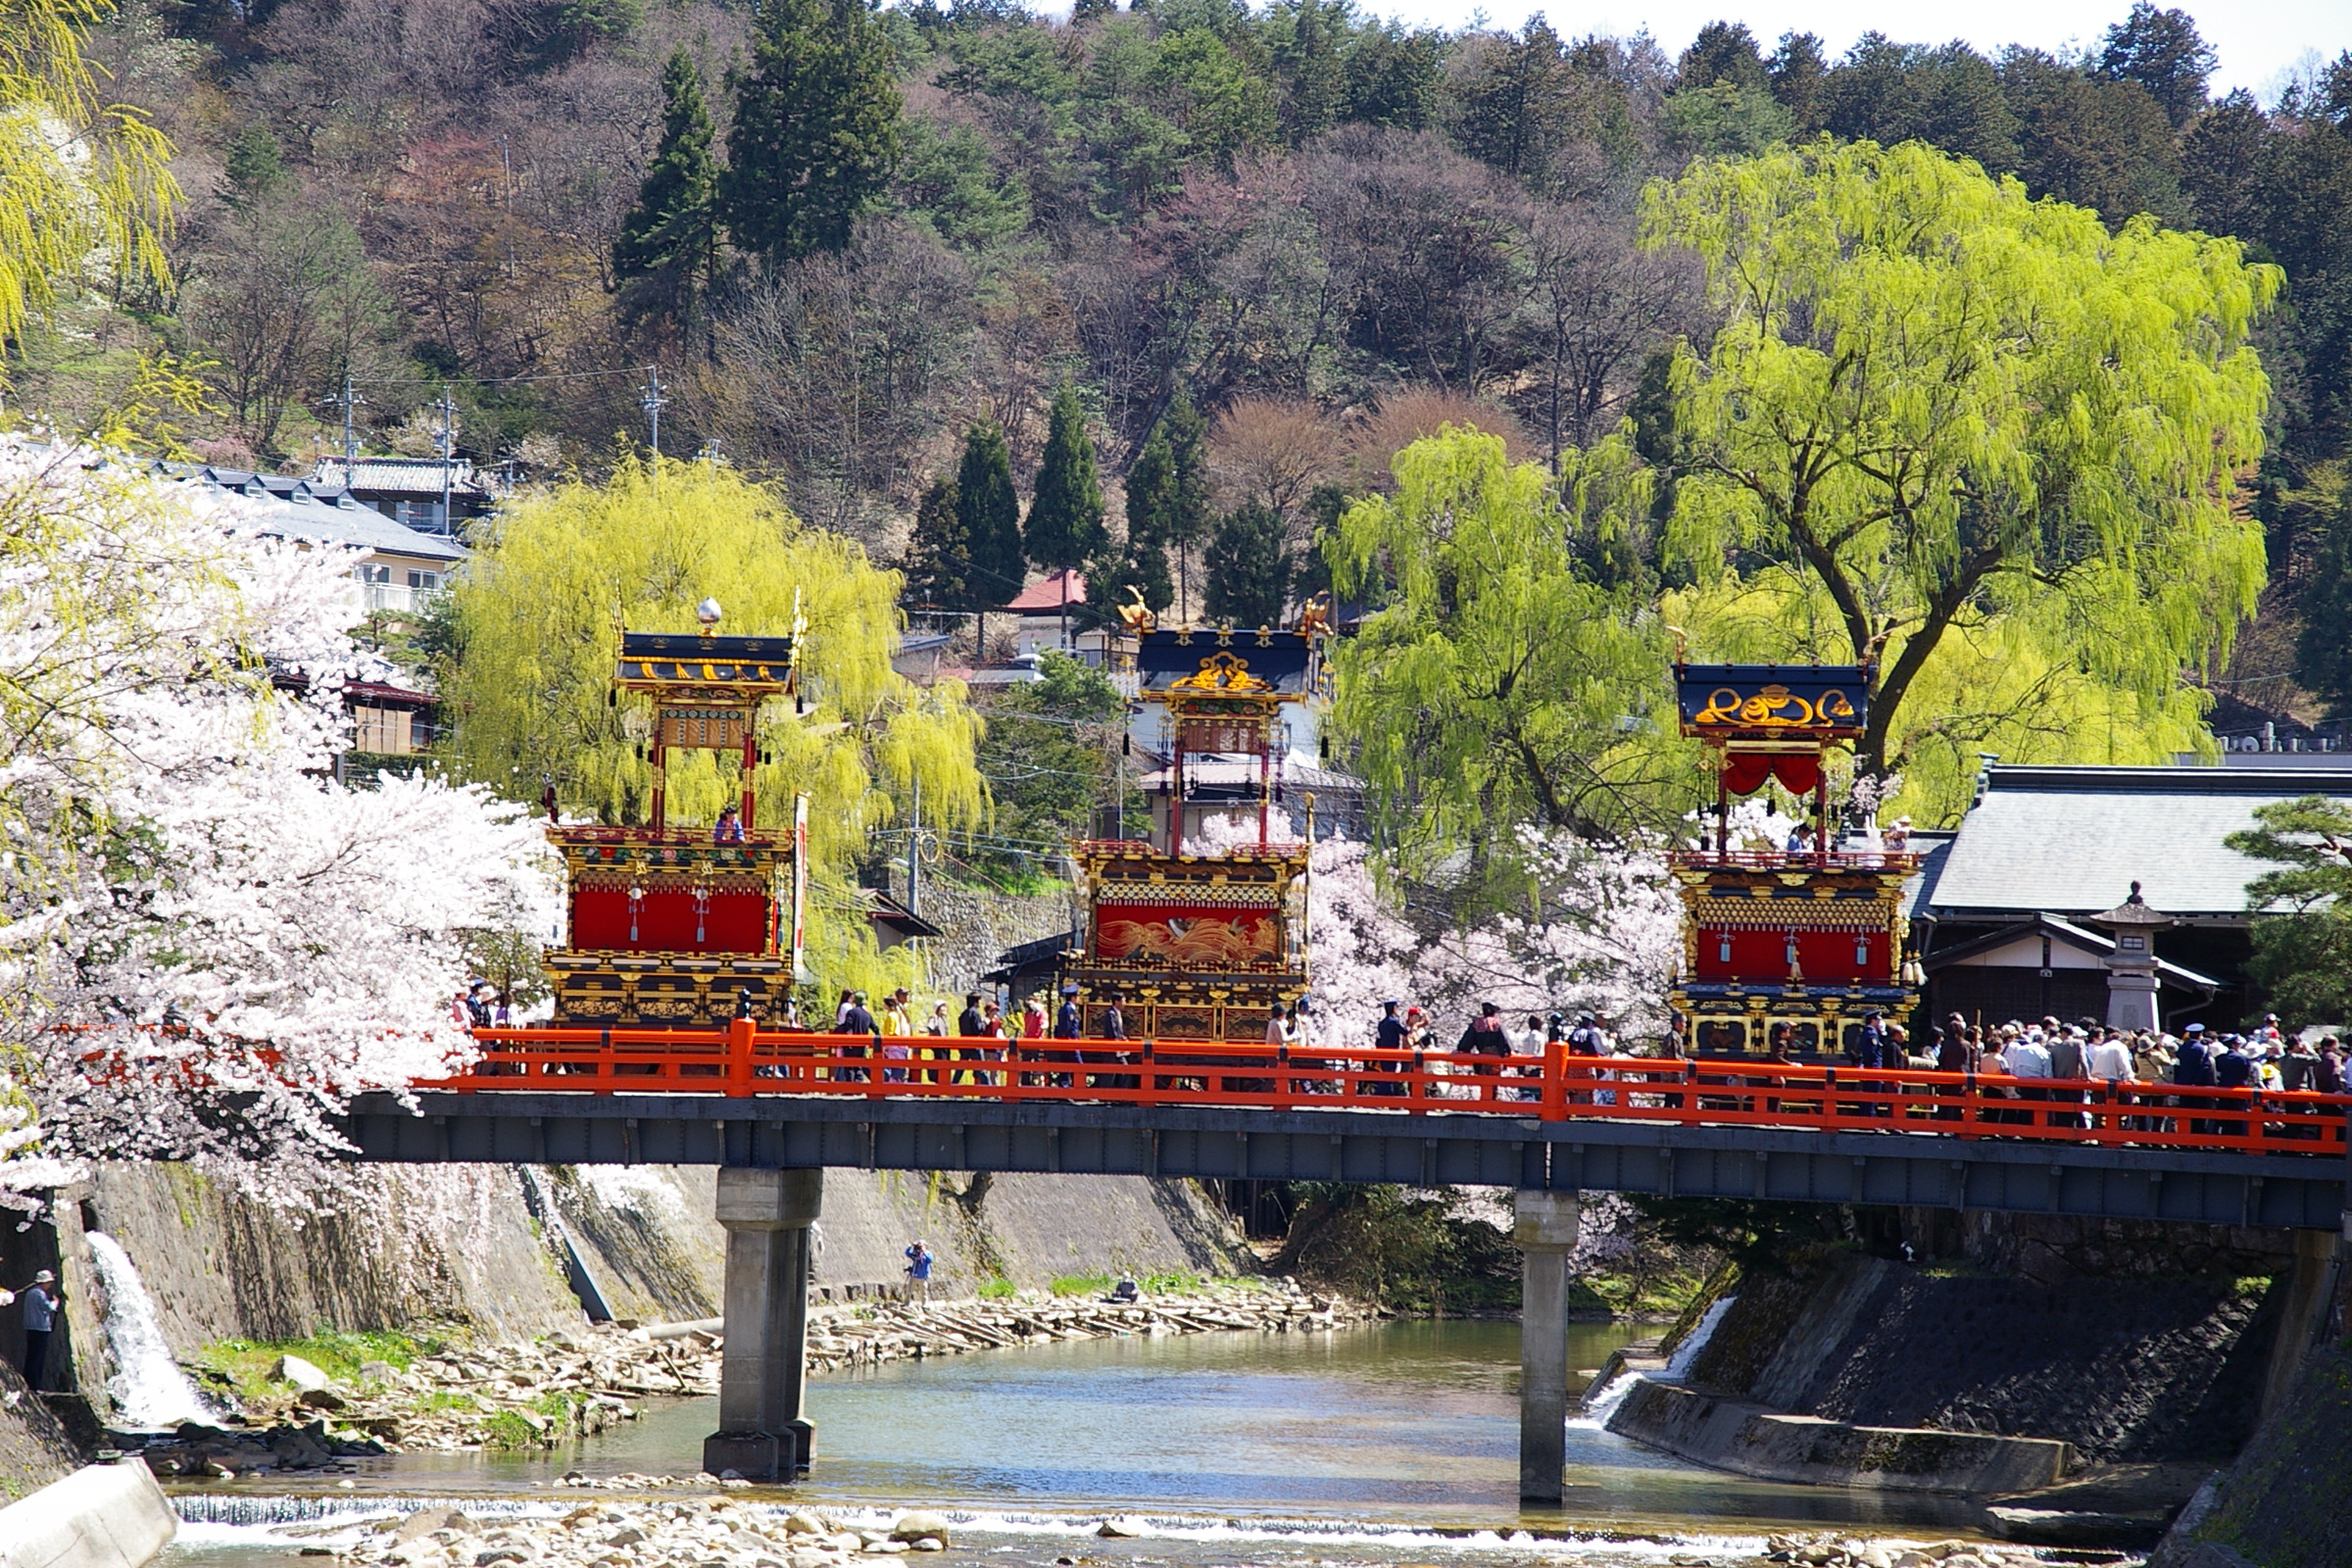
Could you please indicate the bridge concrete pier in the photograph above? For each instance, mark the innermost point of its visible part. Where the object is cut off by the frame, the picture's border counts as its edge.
(1545, 1228)
(763, 1432)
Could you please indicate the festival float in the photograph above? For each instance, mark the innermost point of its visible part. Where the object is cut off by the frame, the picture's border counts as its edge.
(1204, 946)
(685, 928)
(1813, 937)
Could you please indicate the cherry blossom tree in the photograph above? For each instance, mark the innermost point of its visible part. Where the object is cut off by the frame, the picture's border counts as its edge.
(206, 942)
(1602, 931)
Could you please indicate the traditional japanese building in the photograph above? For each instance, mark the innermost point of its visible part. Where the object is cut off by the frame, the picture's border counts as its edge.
(686, 927)
(1814, 936)
(1201, 945)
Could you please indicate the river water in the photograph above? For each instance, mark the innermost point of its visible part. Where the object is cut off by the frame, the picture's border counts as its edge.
(1384, 1444)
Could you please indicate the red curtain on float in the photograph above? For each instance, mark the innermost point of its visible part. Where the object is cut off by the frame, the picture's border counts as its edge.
(1745, 772)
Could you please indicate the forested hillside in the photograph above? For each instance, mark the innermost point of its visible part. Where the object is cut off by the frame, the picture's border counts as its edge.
(1300, 235)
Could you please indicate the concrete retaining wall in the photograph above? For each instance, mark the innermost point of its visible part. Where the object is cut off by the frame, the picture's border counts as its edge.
(2127, 1370)
(1752, 1441)
(477, 1251)
(105, 1516)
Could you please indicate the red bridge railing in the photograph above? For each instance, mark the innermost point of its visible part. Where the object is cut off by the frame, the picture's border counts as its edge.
(746, 1061)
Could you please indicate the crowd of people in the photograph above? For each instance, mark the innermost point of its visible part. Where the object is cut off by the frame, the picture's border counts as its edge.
(2263, 1057)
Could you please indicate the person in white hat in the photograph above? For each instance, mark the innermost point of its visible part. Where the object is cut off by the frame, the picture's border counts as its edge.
(39, 1301)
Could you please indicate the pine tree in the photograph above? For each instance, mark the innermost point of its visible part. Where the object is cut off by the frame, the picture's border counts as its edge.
(989, 514)
(1314, 82)
(256, 167)
(1247, 572)
(1151, 520)
(2162, 51)
(816, 128)
(669, 244)
(2323, 649)
(939, 554)
(1186, 522)
(1796, 69)
(1065, 515)
(1724, 51)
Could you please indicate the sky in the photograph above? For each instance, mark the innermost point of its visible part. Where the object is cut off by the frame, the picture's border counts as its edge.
(2259, 41)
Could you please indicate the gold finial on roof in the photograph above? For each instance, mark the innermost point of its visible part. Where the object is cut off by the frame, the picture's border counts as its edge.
(1136, 615)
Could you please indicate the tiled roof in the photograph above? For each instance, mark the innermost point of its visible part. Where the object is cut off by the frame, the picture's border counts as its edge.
(286, 506)
(1046, 598)
(2096, 944)
(374, 691)
(294, 513)
(404, 475)
(2072, 840)
(357, 527)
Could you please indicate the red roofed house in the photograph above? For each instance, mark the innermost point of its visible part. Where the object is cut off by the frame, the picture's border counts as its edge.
(1046, 619)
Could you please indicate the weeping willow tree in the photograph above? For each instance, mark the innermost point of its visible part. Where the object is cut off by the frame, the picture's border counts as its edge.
(1497, 685)
(534, 628)
(1935, 408)
(81, 181)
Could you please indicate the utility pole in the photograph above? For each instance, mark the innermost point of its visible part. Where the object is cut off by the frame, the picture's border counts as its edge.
(914, 852)
(653, 403)
(446, 443)
(348, 402)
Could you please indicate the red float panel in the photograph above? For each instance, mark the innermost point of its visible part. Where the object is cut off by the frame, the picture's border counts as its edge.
(665, 921)
(1761, 958)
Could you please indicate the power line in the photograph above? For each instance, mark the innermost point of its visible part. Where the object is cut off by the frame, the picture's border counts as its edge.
(492, 380)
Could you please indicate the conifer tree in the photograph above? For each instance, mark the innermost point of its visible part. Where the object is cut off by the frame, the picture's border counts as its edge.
(816, 128)
(1314, 82)
(1180, 509)
(668, 245)
(1152, 506)
(989, 512)
(2323, 648)
(1245, 575)
(939, 554)
(1065, 514)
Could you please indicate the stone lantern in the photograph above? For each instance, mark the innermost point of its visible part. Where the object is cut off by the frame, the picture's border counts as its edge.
(2132, 966)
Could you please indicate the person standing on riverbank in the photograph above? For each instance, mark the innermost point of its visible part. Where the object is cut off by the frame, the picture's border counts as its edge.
(918, 1269)
(39, 1301)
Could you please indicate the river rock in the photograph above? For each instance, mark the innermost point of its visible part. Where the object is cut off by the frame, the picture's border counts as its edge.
(305, 1376)
(424, 1522)
(915, 1526)
(800, 1522)
(1121, 1527)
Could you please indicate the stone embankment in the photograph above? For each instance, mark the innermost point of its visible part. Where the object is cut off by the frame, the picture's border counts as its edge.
(567, 1385)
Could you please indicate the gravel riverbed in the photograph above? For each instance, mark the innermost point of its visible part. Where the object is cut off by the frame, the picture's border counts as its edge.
(732, 1533)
